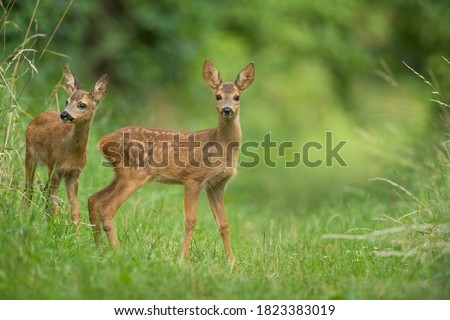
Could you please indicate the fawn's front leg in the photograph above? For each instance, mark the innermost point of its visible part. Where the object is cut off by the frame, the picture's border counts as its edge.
(72, 194)
(191, 193)
(215, 197)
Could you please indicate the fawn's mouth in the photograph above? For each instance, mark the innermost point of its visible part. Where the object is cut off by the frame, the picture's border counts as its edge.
(66, 117)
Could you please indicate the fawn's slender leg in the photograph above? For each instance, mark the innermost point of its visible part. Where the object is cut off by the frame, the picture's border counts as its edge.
(30, 168)
(191, 193)
(72, 194)
(105, 203)
(94, 218)
(94, 206)
(54, 178)
(215, 197)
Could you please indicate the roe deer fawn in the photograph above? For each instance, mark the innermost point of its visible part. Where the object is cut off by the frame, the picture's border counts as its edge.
(201, 159)
(59, 141)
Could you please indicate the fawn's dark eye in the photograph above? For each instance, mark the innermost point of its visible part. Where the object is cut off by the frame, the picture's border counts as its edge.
(67, 102)
(218, 97)
(236, 98)
(82, 105)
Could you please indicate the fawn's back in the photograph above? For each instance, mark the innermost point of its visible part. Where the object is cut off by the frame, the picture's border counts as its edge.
(170, 156)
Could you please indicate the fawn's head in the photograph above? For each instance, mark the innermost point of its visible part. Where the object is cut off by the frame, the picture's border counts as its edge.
(228, 94)
(81, 105)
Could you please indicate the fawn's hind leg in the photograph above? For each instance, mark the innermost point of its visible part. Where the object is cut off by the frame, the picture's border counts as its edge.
(104, 204)
(30, 169)
(94, 205)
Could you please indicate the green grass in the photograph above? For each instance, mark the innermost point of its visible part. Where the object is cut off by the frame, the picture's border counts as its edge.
(279, 255)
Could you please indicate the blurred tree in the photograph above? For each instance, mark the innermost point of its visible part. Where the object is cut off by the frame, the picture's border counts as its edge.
(149, 43)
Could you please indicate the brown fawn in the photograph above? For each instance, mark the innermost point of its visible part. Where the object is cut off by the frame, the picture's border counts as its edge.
(201, 159)
(59, 141)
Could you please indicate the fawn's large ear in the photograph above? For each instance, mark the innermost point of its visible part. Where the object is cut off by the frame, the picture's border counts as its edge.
(100, 88)
(211, 75)
(245, 78)
(70, 82)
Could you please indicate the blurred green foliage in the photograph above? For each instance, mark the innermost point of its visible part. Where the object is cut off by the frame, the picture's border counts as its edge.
(320, 66)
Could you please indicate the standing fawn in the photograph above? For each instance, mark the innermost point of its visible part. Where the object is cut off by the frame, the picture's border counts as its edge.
(201, 159)
(59, 141)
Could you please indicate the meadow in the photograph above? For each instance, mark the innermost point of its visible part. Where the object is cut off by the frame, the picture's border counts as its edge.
(377, 229)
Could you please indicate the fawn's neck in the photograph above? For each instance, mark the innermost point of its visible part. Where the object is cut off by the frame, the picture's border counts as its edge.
(229, 130)
(80, 137)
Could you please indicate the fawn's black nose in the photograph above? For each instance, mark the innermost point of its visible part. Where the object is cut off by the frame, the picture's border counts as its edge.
(66, 117)
(227, 111)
